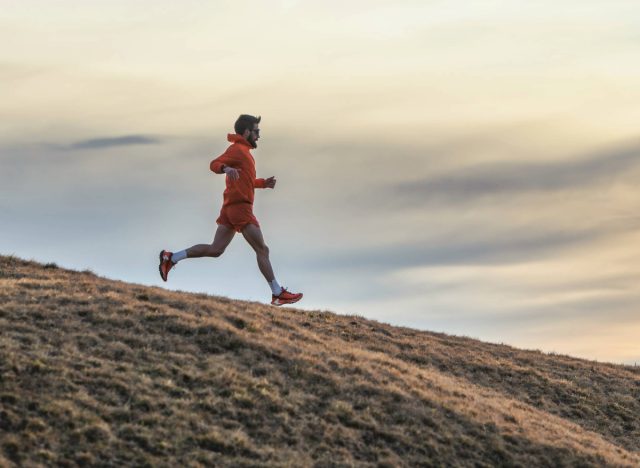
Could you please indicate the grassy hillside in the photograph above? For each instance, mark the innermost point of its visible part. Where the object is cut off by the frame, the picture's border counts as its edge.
(101, 372)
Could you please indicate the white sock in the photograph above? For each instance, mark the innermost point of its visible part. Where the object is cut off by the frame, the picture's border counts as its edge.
(275, 288)
(176, 257)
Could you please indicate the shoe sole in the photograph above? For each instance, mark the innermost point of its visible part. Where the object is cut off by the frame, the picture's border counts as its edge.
(278, 303)
(160, 267)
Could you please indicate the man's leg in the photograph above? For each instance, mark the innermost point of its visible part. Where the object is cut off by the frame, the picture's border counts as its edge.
(224, 236)
(253, 235)
(281, 296)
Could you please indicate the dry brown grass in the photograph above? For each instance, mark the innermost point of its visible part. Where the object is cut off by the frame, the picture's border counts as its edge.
(101, 372)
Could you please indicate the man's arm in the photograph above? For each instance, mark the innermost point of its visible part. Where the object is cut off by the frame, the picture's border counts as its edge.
(265, 183)
(223, 165)
(217, 164)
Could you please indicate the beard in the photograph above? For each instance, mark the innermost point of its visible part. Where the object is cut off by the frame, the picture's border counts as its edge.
(252, 141)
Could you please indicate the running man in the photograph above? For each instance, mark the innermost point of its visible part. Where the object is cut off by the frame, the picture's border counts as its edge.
(237, 208)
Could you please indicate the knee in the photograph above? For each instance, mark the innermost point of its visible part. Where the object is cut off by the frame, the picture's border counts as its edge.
(215, 252)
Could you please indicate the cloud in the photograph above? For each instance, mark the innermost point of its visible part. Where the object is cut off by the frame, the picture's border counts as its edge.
(506, 179)
(102, 143)
(499, 250)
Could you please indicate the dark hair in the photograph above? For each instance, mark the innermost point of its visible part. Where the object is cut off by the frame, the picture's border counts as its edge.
(245, 122)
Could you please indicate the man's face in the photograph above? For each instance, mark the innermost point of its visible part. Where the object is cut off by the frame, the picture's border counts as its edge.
(254, 136)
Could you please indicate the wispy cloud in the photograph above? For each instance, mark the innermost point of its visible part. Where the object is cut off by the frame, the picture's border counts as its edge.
(504, 179)
(500, 250)
(109, 142)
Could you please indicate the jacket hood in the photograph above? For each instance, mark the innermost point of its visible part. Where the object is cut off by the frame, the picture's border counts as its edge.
(235, 138)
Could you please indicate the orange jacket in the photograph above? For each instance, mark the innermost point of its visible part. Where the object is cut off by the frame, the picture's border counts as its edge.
(238, 156)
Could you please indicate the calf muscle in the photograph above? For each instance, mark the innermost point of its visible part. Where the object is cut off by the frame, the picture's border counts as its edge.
(224, 236)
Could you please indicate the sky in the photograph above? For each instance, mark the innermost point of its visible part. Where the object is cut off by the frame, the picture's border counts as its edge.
(467, 167)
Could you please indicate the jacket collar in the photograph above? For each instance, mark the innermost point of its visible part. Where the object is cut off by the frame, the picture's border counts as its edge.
(235, 138)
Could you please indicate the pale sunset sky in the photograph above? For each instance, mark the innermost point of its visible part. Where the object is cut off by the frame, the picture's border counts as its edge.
(467, 167)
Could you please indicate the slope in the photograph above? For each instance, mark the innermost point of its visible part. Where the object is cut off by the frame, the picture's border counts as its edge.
(102, 372)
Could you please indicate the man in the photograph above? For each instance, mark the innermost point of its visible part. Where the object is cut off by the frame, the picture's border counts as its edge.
(237, 209)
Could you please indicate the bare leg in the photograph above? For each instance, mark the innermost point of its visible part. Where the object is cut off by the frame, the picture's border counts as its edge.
(222, 239)
(253, 235)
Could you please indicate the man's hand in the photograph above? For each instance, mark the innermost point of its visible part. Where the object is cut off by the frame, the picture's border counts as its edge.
(232, 173)
(270, 182)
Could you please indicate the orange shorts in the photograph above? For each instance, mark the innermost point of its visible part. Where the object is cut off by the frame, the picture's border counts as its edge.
(237, 216)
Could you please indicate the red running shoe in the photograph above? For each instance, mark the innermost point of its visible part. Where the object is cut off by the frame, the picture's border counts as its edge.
(285, 297)
(165, 264)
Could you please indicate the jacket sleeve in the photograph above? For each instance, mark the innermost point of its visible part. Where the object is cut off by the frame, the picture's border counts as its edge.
(225, 159)
(259, 183)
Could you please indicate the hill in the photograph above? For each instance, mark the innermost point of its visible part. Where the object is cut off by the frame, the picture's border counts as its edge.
(105, 373)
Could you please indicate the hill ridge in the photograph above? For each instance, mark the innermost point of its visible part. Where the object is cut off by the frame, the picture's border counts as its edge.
(139, 375)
